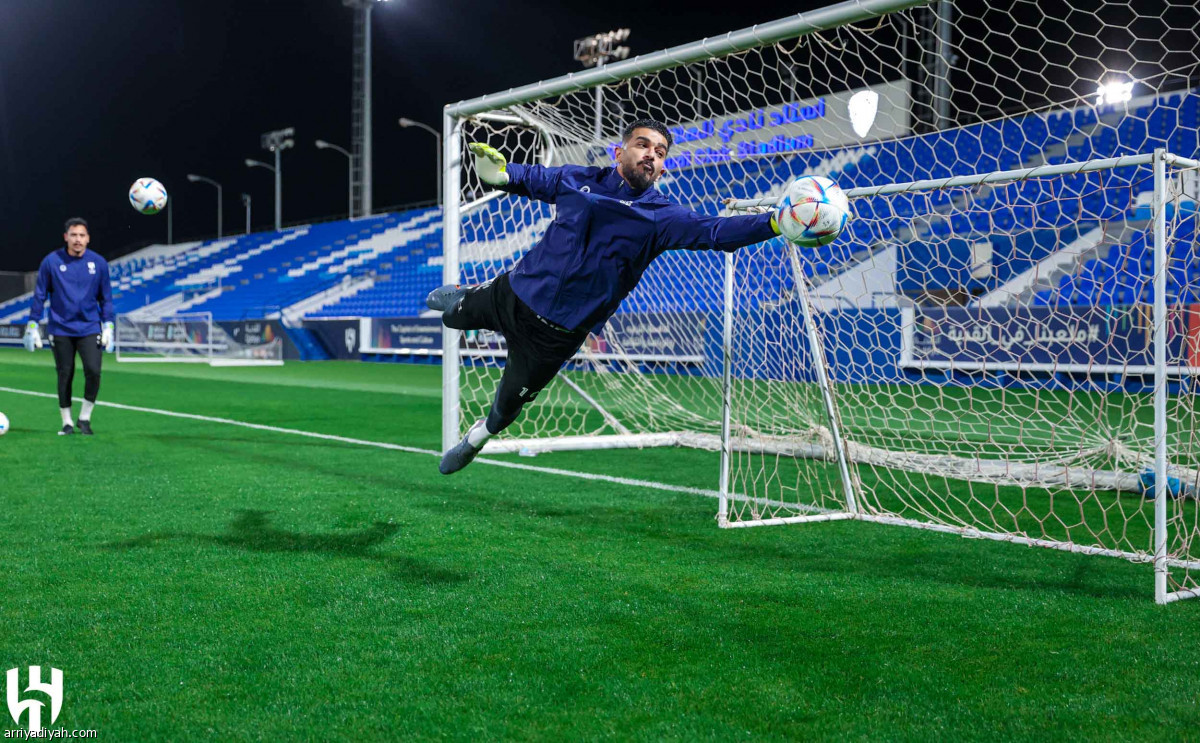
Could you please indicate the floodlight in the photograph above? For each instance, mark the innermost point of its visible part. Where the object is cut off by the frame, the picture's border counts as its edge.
(1114, 92)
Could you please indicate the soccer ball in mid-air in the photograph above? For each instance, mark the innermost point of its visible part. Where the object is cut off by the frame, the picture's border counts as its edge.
(148, 196)
(812, 211)
(3, 424)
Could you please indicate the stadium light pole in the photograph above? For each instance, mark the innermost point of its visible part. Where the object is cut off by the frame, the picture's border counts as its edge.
(276, 142)
(597, 51)
(246, 203)
(220, 214)
(323, 145)
(360, 105)
(260, 164)
(406, 123)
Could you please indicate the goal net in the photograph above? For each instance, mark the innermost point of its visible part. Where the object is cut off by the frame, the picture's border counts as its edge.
(192, 338)
(1002, 344)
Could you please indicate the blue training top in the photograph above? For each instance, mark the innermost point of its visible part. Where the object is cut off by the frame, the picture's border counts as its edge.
(80, 293)
(604, 236)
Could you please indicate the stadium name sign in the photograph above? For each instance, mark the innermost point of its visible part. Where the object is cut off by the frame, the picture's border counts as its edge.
(756, 120)
(790, 112)
(800, 125)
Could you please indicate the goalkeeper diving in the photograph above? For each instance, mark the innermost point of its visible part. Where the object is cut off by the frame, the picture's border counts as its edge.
(610, 224)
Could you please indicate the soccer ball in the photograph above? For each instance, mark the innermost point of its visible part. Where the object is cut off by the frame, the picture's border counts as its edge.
(812, 211)
(3, 424)
(148, 196)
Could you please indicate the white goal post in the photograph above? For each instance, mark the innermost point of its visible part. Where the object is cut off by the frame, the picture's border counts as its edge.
(1004, 343)
(190, 337)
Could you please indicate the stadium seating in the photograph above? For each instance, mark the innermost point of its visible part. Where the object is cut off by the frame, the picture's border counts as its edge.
(386, 264)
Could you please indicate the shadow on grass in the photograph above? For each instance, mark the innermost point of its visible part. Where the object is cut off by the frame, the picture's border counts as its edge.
(251, 531)
(816, 551)
(891, 553)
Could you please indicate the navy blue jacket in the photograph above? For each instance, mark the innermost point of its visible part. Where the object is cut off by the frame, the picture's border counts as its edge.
(80, 293)
(603, 237)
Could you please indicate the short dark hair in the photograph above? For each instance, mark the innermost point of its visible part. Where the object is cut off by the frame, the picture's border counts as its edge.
(74, 222)
(657, 126)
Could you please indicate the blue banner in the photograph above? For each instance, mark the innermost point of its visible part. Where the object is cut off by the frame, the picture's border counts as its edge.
(649, 335)
(339, 338)
(1086, 338)
(405, 335)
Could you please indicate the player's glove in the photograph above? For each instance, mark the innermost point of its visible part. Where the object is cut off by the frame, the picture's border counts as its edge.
(33, 336)
(106, 337)
(489, 164)
(774, 220)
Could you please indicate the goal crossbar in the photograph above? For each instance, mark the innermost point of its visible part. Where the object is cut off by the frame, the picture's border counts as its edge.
(798, 25)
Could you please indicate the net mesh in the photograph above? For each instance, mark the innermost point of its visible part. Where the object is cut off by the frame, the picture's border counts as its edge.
(174, 338)
(949, 418)
(195, 338)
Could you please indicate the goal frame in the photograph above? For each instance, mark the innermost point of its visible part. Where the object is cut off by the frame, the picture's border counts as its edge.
(1159, 160)
(214, 350)
(490, 107)
(203, 353)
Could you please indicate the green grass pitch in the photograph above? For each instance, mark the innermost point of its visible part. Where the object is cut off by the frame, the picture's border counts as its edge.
(204, 581)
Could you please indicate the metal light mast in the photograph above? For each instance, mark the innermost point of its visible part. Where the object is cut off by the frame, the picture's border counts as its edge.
(360, 105)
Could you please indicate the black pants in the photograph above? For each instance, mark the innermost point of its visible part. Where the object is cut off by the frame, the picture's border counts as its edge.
(536, 349)
(64, 347)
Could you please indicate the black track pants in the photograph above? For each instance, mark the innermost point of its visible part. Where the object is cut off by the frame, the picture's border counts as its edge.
(65, 348)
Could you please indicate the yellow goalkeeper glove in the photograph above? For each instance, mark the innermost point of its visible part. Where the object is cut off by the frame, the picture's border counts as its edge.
(489, 164)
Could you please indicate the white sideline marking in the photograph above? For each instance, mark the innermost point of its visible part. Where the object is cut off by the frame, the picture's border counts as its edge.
(386, 445)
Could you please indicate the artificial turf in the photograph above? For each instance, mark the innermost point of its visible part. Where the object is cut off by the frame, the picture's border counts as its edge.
(199, 580)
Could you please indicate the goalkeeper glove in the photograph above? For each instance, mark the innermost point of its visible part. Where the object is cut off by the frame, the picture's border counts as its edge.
(489, 164)
(33, 336)
(106, 337)
(774, 221)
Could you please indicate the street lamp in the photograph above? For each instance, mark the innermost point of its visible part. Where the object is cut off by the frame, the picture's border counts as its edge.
(276, 141)
(323, 145)
(246, 203)
(406, 123)
(220, 215)
(259, 163)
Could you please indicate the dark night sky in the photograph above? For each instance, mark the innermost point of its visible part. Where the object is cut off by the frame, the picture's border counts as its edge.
(95, 93)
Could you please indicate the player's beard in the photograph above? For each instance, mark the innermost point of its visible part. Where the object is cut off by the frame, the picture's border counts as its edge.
(637, 175)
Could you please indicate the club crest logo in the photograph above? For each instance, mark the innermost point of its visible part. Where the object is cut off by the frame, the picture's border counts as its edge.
(33, 707)
(863, 107)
